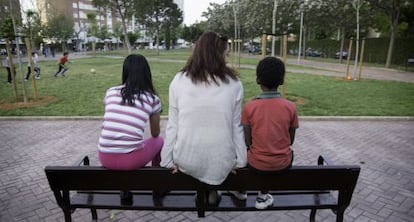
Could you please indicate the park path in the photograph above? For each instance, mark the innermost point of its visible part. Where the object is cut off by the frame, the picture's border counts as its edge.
(305, 66)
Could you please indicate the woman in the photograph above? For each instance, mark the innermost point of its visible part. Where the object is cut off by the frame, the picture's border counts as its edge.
(128, 108)
(204, 137)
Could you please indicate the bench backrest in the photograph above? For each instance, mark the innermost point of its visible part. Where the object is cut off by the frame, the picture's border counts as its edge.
(150, 178)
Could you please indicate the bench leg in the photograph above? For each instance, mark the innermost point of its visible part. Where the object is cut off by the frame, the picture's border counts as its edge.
(312, 215)
(68, 215)
(94, 214)
(340, 215)
(201, 203)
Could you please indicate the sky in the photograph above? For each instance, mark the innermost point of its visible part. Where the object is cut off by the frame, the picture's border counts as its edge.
(194, 8)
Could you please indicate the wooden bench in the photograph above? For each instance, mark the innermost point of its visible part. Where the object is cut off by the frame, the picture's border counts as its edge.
(299, 188)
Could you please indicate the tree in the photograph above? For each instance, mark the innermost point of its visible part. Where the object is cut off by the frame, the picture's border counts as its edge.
(32, 26)
(93, 29)
(393, 9)
(158, 15)
(220, 18)
(192, 32)
(407, 21)
(123, 10)
(357, 5)
(117, 33)
(59, 28)
(132, 36)
(173, 18)
(6, 28)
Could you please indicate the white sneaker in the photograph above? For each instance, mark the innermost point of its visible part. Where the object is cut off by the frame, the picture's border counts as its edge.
(263, 201)
(241, 195)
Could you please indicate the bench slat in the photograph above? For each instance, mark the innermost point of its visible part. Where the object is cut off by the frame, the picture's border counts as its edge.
(186, 202)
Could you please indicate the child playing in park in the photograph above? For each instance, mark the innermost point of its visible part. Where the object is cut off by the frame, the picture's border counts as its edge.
(269, 123)
(128, 109)
(62, 61)
(36, 68)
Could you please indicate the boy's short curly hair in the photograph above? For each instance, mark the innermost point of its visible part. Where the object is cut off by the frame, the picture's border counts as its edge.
(270, 72)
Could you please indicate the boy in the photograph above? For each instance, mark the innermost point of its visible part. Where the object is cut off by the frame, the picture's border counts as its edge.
(36, 68)
(269, 123)
(62, 62)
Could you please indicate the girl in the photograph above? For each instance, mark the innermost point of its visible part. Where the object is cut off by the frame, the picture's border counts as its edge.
(128, 108)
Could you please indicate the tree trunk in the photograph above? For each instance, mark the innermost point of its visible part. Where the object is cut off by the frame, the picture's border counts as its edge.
(126, 39)
(274, 26)
(342, 44)
(124, 29)
(394, 15)
(391, 46)
(358, 6)
(158, 41)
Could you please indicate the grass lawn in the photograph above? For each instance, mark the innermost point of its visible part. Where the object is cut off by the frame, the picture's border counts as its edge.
(81, 93)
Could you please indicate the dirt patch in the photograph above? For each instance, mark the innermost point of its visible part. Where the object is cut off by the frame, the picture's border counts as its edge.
(297, 100)
(8, 103)
(300, 101)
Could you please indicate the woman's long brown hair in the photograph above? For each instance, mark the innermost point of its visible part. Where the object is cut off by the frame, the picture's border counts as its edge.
(208, 61)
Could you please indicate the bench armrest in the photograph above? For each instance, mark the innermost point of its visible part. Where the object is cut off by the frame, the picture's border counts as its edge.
(84, 161)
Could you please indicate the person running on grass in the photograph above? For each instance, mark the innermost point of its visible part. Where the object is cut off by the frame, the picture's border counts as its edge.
(36, 68)
(61, 66)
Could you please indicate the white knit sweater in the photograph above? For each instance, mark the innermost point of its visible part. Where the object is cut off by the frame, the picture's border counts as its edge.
(204, 136)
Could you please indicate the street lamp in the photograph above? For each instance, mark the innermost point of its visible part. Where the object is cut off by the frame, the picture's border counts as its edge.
(301, 9)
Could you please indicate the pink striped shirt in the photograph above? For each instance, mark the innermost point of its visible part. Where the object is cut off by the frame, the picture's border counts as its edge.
(123, 125)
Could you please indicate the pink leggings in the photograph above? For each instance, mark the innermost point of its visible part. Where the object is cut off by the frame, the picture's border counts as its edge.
(135, 159)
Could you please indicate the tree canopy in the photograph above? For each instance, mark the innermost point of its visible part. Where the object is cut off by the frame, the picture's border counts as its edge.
(158, 15)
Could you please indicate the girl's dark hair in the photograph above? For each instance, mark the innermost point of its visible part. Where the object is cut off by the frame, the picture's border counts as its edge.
(136, 76)
(208, 61)
(270, 72)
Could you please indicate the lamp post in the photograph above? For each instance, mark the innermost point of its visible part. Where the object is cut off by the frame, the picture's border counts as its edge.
(301, 30)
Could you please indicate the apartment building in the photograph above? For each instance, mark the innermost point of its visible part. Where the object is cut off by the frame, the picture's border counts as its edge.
(6, 10)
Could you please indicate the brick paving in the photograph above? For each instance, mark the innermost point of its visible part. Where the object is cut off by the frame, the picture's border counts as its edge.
(383, 148)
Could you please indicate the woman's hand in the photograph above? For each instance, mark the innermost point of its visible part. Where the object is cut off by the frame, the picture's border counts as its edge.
(233, 171)
(174, 169)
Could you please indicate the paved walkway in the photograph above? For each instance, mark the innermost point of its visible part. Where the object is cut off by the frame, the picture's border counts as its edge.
(383, 148)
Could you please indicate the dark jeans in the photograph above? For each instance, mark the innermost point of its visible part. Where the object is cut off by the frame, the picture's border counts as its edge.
(36, 70)
(9, 77)
(269, 171)
(61, 68)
